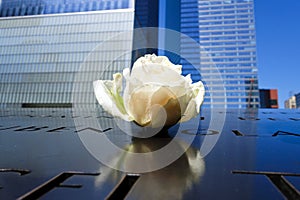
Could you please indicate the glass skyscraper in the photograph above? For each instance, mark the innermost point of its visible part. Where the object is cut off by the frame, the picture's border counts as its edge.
(189, 25)
(44, 44)
(39, 7)
(225, 30)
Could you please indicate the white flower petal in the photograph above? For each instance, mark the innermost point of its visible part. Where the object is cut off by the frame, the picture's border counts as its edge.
(139, 104)
(154, 105)
(107, 93)
(156, 94)
(188, 79)
(193, 107)
(161, 60)
(159, 70)
(131, 85)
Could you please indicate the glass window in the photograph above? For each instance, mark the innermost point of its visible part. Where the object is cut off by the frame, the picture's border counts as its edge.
(232, 100)
(227, 1)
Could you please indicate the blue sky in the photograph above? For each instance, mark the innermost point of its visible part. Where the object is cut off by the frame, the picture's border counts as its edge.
(278, 45)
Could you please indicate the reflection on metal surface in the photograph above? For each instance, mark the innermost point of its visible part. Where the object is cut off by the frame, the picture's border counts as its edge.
(277, 178)
(199, 132)
(171, 182)
(52, 183)
(50, 151)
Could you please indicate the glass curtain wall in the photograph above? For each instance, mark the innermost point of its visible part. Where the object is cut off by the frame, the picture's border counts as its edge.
(225, 30)
(38, 7)
(227, 38)
(41, 54)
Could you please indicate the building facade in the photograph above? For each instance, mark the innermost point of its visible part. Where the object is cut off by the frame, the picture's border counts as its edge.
(50, 52)
(11, 8)
(49, 48)
(268, 98)
(43, 39)
(290, 103)
(226, 31)
(189, 26)
(297, 99)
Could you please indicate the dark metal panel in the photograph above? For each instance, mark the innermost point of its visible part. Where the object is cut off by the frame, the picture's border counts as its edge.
(256, 149)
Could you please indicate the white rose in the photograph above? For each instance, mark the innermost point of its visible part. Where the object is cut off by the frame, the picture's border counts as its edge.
(156, 94)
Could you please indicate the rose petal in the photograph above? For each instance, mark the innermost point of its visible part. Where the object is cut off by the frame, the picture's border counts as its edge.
(155, 106)
(157, 69)
(162, 60)
(193, 107)
(139, 103)
(156, 75)
(156, 94)
(107, 93)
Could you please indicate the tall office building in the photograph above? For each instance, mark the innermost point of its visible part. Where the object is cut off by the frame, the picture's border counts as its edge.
(268, 98)
(50, 47)
(161, 22)
(297, 99)
(43, 44)
(226, 34)
(189, 25)
(39, 7)
(290, 103)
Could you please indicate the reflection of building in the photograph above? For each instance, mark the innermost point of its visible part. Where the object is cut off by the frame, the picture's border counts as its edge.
(297, 98)
(290, 103)
(227, 35)
(268, 98)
